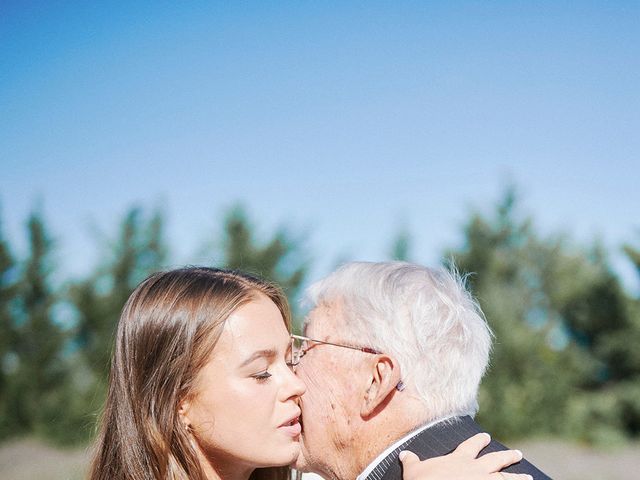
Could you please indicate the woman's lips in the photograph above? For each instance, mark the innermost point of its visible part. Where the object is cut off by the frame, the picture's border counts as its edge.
(292, 429)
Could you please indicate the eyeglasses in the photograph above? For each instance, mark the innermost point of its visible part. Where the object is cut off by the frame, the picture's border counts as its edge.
(301, 345)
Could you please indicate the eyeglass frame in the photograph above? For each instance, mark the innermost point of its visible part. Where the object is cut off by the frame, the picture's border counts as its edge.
(322, 342)
(400, 386)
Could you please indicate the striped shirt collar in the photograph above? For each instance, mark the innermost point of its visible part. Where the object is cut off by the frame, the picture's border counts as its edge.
(398, 445)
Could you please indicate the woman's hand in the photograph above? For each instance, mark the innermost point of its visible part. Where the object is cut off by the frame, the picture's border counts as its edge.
(462, 464)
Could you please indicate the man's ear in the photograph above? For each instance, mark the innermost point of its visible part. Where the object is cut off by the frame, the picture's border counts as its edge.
(384, 377)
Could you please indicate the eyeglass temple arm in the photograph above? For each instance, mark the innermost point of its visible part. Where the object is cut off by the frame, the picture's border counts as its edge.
(400, 386)
(361, 349)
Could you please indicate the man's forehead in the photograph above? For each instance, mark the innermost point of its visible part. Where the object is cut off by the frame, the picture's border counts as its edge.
(321, 320)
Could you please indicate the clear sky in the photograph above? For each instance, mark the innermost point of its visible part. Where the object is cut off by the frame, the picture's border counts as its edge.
(345, 120)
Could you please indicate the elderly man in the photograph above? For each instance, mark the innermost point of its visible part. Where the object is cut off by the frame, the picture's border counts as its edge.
(392, 357)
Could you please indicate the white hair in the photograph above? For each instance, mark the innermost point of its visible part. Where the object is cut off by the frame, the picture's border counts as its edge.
(423, 317)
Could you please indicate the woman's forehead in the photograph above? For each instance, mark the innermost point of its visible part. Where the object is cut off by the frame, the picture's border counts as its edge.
(257, 324)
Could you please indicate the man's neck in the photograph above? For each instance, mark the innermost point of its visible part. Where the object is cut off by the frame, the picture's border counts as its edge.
(376, 438)
(407, 438)
(347, 461)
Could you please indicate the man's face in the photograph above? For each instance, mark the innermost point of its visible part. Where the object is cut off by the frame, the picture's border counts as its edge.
(330, 407)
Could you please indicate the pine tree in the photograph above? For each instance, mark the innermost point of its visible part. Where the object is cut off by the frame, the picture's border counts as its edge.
(8, 358)
(138, 250)
(401, 246)
(558, 313)
(41, 370)
(279, 259)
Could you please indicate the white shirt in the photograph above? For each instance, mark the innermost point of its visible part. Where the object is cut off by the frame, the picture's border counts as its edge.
(391, 448)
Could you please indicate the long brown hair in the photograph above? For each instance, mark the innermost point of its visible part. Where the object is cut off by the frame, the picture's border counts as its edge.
(167, 329)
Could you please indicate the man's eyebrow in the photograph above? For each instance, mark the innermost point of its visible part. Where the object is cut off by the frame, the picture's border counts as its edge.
(268, 353)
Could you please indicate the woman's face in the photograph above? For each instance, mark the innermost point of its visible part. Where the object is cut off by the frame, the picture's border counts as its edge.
(244, 409)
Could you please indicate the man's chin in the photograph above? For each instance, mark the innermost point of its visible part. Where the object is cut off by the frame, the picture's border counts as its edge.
(301, 463)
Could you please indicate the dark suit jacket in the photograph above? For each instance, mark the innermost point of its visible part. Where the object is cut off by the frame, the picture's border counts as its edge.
(441, 439)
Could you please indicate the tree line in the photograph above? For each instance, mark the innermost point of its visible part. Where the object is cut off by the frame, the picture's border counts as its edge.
(565, 362)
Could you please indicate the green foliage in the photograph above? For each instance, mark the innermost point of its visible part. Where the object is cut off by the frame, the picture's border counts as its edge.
(401, 246)
(8, 284)
(38, 387)
(279, 258)
(563, 328)
(634, 255)
(138, 250)
(565, 360)
(39, 340)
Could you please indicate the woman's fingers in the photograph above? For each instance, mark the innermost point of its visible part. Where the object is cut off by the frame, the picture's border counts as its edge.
(471, 447)
(496, 461)
(408, 458)
(462, 463)
(491, 462)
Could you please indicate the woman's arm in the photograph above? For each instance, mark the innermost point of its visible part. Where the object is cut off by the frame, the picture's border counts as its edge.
(463, 464)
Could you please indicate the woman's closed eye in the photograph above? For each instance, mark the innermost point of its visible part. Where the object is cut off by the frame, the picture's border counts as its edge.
(262, 376)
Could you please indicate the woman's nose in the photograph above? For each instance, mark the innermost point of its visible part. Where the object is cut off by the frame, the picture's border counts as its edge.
(296, 387)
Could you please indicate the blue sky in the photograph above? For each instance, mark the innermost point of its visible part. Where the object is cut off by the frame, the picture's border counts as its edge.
(346, 120)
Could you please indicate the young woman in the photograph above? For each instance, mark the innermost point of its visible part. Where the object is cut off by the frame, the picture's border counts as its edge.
(200, 387)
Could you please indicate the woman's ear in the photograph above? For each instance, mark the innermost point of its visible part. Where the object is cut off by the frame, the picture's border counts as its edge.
(383, 378)
(183, 413)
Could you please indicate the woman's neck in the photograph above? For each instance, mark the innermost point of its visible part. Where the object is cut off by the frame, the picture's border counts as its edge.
(212, 473)
(220, 470)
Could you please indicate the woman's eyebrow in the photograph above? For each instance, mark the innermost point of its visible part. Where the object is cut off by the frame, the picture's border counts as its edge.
(265, 353)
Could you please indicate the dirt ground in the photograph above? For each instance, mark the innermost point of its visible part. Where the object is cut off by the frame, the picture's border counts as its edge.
(31, 460)
(565, 461)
